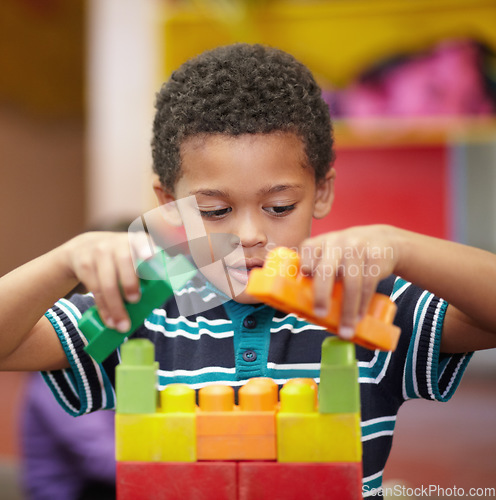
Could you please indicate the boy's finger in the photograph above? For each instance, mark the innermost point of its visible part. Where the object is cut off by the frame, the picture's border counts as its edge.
(352, 295)
(127, 277)
(111, 294)
(369, 285)
(102, 308)
(323, 282)
(88, 275)
(310, 253)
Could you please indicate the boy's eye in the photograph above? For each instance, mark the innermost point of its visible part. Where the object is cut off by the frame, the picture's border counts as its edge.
(280, 211)
(215, 214)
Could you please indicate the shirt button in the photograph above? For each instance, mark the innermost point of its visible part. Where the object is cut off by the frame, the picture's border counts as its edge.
(249, 356)
(250, 322)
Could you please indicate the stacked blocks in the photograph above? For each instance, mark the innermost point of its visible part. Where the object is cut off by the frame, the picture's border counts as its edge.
(280, 284)
(308, 444)
(331, 431)
(142, 432)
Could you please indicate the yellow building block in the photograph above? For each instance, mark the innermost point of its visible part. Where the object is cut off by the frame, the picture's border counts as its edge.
(177, 424)
(167, 436)
(305, 435)
(136, 437)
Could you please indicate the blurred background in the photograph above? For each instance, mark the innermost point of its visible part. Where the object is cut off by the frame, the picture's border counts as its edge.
(411, 87)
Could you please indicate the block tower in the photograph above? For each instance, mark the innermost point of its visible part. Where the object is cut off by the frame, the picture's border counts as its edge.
(304, 444)
(303, 441)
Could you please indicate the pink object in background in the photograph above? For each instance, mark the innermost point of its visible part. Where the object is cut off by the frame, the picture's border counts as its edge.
(446, 81)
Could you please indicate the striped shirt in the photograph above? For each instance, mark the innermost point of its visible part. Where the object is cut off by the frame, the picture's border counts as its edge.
(232, 342)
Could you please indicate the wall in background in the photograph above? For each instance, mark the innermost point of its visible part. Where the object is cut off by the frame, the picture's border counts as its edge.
(42, 157)
(41, 127)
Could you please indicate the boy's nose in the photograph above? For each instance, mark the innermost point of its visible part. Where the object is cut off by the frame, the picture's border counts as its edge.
(250, 231)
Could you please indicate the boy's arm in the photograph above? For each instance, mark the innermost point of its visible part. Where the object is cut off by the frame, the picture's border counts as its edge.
(101, 261)
(464, 276)
(27, 339)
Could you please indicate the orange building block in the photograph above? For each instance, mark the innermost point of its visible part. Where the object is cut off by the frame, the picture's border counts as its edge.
(280, 284)
(245, 432)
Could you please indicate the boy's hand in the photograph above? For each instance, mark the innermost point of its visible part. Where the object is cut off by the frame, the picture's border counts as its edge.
(360, 257)
(103, 262)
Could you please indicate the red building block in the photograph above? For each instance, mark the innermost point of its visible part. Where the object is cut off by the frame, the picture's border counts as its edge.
(176, 481)
(294, 481)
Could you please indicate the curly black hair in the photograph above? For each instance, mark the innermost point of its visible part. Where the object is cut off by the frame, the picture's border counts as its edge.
(240, 89)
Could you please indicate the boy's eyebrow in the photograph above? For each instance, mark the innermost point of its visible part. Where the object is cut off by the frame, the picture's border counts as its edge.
(278, 188)
(218, 193)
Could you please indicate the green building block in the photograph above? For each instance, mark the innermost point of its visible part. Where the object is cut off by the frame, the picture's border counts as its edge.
(339, 391)
(156, 285)
(136, 378)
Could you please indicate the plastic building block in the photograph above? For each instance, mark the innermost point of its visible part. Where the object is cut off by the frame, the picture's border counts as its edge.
(177, 428)
(136, 437)
(284, 481)
(280, 284)
(244, 432)
(136, 378)
(339, 391)
(313, 385)
(176, 481)
(305, 435)
(259, 394)
(166, 436)
(156, 286)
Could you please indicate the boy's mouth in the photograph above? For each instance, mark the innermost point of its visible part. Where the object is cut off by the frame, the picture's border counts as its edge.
(240, 271)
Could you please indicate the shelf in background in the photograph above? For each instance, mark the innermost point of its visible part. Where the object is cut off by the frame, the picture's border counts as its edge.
(383, 132)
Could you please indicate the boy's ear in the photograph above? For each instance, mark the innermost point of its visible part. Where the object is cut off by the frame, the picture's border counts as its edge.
(163, 195)
(324, 196)
(166, 201)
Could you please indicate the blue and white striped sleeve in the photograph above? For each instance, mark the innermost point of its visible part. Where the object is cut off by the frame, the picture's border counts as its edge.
(86, 386)
(427, 374)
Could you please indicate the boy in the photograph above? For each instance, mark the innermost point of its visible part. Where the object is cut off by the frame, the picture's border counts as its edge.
(244, 129)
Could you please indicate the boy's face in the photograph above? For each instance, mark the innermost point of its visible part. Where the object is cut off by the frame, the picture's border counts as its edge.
(256, 187)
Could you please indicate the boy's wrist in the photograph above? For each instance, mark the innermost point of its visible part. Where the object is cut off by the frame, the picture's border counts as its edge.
(403, 245)
(63, 258)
